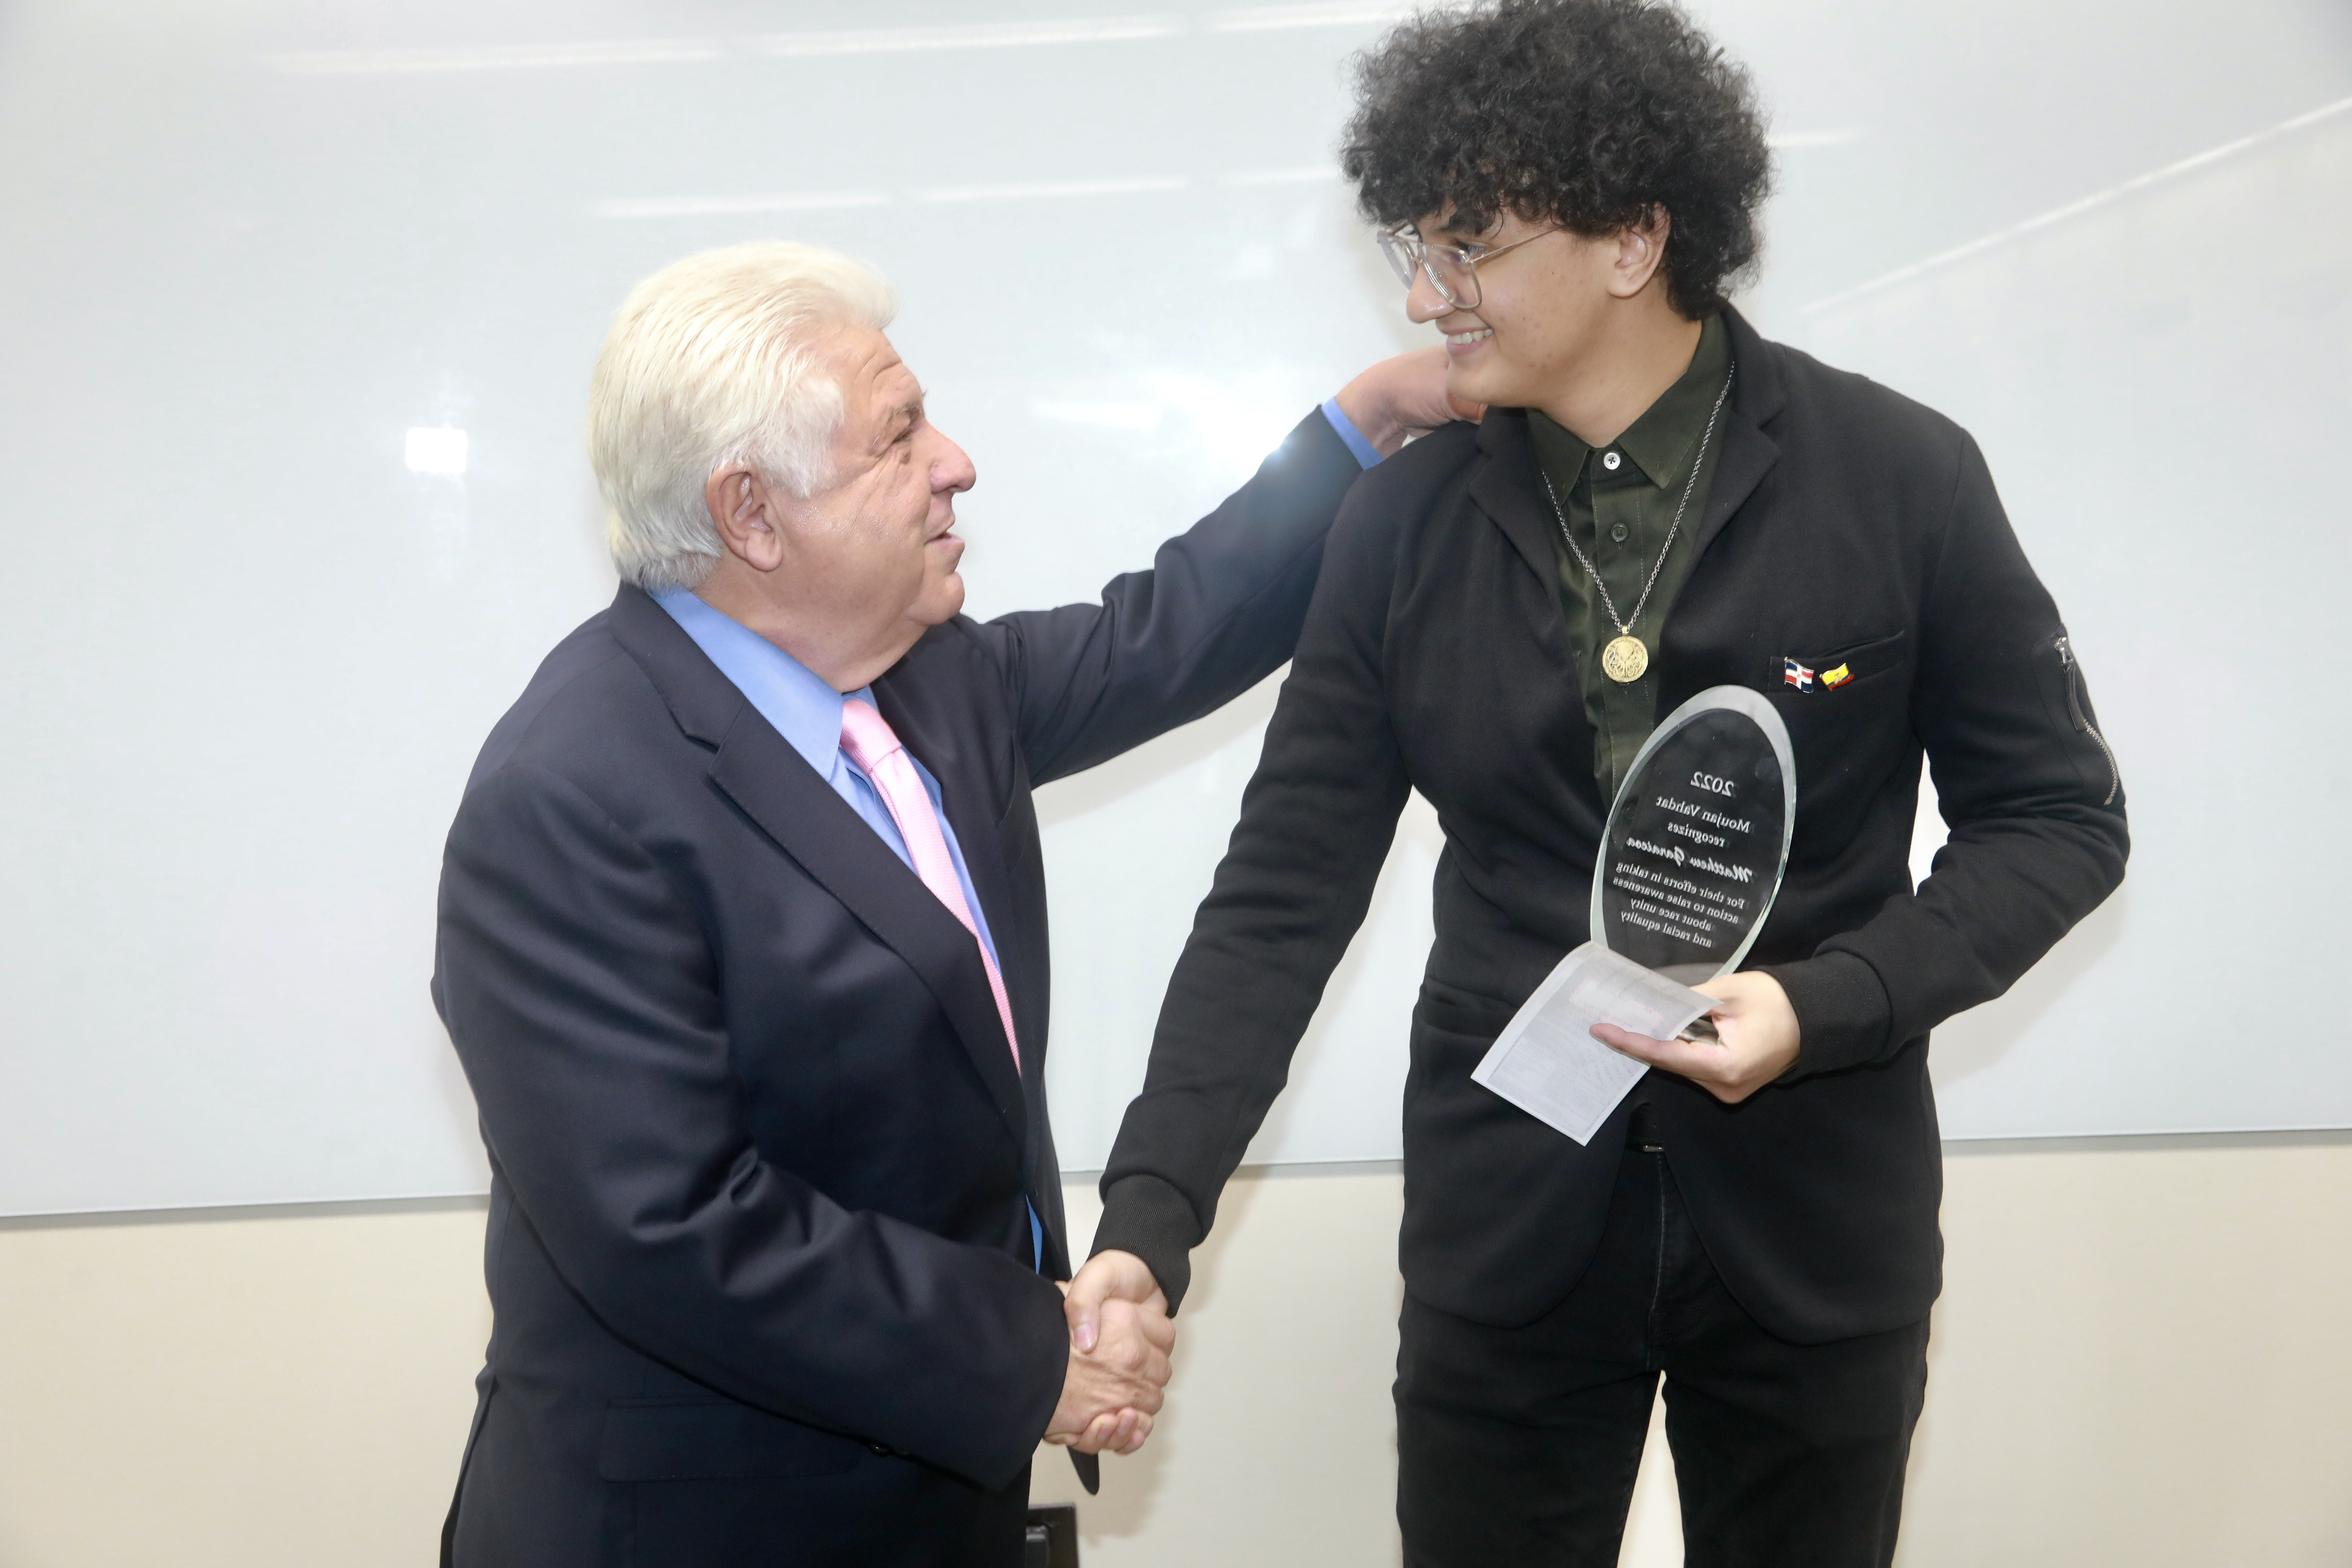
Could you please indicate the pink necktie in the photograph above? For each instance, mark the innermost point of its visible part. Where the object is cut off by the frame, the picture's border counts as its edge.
(872, 745)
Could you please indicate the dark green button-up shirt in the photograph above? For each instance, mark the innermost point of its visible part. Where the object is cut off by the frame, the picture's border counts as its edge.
(1619, 502)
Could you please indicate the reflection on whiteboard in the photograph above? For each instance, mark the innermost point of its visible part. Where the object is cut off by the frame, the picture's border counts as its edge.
(303, 304)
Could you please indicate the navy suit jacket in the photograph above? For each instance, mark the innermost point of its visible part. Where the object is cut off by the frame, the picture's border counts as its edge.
(759, 1246)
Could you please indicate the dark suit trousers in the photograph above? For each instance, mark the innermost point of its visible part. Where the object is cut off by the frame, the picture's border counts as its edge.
(1520, 1446)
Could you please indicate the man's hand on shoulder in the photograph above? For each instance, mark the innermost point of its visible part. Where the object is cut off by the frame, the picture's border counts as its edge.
(1120, 1337)
(1403, 396)
(1758, 1039)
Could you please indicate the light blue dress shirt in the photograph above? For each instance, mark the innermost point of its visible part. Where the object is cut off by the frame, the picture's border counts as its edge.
(807, 713)
(1366, 453)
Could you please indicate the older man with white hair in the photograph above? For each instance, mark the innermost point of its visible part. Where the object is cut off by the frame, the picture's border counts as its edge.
(743, 947)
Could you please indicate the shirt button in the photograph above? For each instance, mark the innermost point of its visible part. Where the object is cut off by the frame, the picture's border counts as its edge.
(1618, 534)
(1610, 460)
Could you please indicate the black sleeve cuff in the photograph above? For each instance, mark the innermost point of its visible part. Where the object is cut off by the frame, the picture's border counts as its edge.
(1843, 1011)
(1146, 1217)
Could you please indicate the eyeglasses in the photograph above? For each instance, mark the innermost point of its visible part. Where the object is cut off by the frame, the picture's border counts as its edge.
(1452, 269)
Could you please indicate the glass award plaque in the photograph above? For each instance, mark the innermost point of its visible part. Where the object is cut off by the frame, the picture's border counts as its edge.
(1690, 863)
(1698, 837)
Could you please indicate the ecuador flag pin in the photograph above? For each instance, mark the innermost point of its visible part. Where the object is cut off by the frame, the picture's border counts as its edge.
(1833, 678)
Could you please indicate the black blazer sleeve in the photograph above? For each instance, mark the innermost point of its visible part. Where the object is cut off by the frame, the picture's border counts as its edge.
(583, 1000)
(1293, 888)
(2027, 788)
(1218, 612)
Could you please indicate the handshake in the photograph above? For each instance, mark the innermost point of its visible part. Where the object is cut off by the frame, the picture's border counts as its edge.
(1120, 1337)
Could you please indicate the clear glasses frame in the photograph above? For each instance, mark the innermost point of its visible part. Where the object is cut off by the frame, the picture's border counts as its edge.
(1452, 269)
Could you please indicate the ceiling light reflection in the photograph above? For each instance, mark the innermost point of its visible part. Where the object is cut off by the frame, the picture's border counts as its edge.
(2075, 208)
(436, 450)
(734, 206)
(1056, 188)
(502, 57)
(1267, 18)
(971, 35)
(1299, 176)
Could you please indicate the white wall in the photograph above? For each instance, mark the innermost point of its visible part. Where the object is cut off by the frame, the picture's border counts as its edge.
(2139, 1358)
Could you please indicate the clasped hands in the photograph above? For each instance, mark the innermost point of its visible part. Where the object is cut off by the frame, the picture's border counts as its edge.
(1120, 1337)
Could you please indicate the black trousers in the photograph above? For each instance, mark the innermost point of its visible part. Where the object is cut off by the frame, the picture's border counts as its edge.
(1517, 1447)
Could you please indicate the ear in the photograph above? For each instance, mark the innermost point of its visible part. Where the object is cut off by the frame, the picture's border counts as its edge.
(1640, 250)
(743, 509)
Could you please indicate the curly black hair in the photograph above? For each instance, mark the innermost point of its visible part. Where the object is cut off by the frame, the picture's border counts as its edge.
(1587, 113)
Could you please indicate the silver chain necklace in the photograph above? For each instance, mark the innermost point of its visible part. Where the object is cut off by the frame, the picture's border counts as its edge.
(1625, 658)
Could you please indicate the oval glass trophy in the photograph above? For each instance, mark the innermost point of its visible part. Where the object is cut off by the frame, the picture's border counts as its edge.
(1698, 837)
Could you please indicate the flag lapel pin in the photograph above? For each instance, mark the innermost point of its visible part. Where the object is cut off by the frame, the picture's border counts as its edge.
(1833, 678)
(1799, 676)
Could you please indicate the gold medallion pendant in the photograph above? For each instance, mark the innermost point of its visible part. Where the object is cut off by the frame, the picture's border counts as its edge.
(1624, 659)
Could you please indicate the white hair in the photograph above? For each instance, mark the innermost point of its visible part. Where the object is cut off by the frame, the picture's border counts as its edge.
(712, 361)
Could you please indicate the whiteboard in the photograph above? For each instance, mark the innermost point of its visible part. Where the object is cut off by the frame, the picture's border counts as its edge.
(247, 651)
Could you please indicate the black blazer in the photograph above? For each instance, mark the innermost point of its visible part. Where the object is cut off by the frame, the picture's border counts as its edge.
(1846, 525)
(759, 1248)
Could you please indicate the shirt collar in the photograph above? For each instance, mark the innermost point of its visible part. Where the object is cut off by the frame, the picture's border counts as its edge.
(787, 694)
(1664, 440)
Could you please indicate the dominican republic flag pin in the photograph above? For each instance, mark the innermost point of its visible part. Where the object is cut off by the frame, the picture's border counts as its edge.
(1799, 676)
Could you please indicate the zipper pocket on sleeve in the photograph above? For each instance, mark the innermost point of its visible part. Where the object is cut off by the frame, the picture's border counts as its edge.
(2081, 721)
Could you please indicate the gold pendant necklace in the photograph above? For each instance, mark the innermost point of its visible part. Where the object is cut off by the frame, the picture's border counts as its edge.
(1625, 658)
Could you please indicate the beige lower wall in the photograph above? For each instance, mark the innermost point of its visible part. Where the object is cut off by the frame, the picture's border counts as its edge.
(2142, 1357)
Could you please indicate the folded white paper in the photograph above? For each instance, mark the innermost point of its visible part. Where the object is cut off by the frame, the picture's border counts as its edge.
(1546, 1061)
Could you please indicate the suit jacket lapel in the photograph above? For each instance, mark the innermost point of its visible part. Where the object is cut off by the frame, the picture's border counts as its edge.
(1748, 453)
(1509, 487)
(774, 786)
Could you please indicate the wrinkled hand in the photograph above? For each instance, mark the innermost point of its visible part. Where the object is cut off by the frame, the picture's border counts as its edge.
(1114, 1277)
(1113, 1387)
(1109, 1275)
(1759, 1030)
(1403, 396)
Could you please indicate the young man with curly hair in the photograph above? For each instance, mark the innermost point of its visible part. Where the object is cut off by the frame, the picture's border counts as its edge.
(1569, 187)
